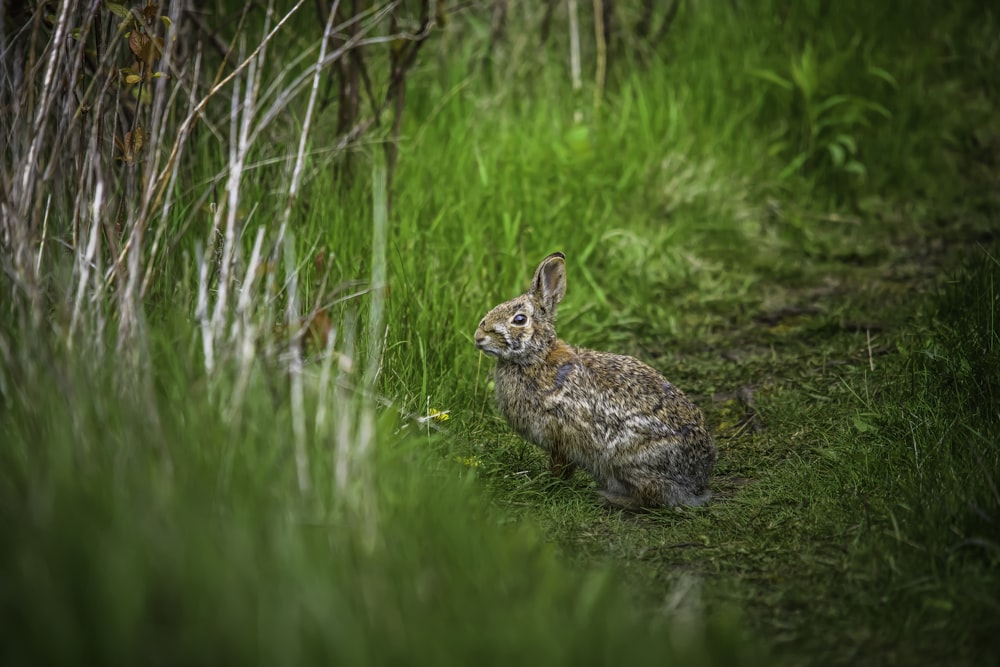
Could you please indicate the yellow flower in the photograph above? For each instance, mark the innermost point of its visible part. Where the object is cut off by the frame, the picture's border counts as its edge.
(469, 461)
(436, 415)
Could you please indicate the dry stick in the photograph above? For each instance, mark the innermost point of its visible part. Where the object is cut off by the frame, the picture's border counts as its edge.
(45, 232)
(602, 54)
(193, 115)
(363, 71)
(243, 324)
(96, 140)
(158, 122)
(38, 131)
(365, 435)
(295, 363)
(168, 198)
(292, 63)
(293, 189)
(345, 416)
(574, 44)
(57, 148)
(396, 92)
(358, 41)
(87, 259)
(347, 75)
(324, 382)
(237, 152)
(295, 372)
(201, 309)
(868, 335)
(295, 366)
(182, 135)
(239, 148)
(475, 388)
(574, 51)
(273, 111)
(380, 224)
(74, 76)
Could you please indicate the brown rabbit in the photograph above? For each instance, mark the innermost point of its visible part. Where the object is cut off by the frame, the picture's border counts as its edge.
(643, 441)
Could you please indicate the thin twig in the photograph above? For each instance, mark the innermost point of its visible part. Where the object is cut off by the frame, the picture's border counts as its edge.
(602, 54)
(871, 362)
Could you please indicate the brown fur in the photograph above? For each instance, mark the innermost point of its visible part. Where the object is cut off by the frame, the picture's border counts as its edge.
(642, 440)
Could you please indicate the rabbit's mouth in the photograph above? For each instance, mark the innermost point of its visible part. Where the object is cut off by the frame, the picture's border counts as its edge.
(485, 344)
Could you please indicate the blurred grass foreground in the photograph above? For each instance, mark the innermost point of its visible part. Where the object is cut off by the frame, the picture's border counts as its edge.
(244, 247)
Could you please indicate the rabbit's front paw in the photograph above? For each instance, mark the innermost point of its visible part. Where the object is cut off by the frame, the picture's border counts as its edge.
(560, 466)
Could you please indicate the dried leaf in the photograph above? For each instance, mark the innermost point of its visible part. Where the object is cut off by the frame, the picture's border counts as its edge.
(138, 139)
(131, 144)
(150, 11)
(137, 43)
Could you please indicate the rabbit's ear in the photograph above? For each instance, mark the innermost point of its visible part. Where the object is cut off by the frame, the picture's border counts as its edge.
(549, 284)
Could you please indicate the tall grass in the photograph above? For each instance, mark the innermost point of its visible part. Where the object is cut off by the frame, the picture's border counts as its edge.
(950, 476)
(204, 456)
(147, 527)
(218, 359)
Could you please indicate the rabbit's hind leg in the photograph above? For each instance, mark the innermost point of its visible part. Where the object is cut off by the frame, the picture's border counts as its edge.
(650, 488)
(560, 466)
(617, 495)
(621, 501)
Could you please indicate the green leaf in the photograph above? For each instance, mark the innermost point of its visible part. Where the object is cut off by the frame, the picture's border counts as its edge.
(578, 138)
(837, 153)
(830, 103)
(856, 168)
(861, 425)
(777, 148)
(118, 10)
(805, 72)
(880, 110)
(847, 141)
(768, 75)
(880, 73)
(793, 166)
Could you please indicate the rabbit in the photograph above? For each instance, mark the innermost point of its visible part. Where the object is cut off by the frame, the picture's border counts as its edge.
(641, 439)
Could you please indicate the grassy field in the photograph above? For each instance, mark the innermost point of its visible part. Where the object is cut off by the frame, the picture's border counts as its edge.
(224, 343)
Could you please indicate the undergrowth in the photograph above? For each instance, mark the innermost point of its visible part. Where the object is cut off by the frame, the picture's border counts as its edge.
(241, 414)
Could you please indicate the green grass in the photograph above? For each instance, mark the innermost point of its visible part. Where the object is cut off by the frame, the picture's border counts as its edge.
(149, 530)
(154, 509)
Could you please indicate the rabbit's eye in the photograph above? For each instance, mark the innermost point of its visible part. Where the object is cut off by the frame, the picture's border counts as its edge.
(520, 319)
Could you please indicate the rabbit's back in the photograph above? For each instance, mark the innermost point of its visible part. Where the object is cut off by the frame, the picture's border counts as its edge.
(613, 415)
